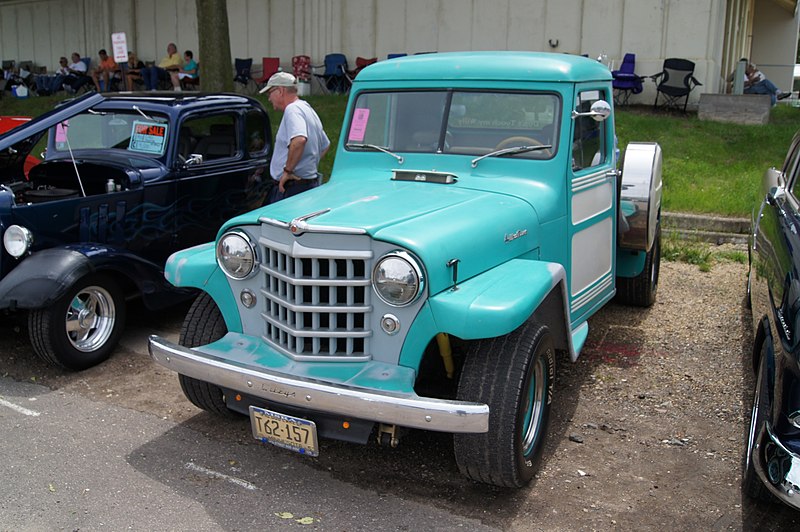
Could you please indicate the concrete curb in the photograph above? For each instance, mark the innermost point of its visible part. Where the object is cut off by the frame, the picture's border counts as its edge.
(706, 228)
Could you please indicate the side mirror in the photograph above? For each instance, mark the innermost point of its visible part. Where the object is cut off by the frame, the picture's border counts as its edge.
(774, 183)
(599, 111)
(194, 158)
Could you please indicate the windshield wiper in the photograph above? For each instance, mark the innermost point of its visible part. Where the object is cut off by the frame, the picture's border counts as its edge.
(375, 148)
(136, 108)
(511, 151)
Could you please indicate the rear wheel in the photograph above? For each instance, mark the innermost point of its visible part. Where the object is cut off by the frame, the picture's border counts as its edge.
(641, 290)
(82, 328)
(204, 324)
(514, 375)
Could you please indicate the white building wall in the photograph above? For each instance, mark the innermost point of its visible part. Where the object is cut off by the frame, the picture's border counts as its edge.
(770, 52)
(43, 30)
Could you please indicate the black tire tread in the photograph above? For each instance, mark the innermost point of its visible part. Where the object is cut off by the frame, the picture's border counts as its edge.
(751, 483)
(204, 324)
(639, 291)
(39, 333)
(494, 372)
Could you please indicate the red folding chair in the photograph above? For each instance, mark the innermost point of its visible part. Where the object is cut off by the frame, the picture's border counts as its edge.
(269, 65)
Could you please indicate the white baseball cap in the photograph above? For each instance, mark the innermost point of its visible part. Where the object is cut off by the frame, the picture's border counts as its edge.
(280, 79)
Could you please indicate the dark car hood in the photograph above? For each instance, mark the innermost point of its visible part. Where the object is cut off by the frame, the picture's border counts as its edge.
(17, 144)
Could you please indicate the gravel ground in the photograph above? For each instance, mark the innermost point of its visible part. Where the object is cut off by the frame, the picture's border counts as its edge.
(647, 431)
(661, 405)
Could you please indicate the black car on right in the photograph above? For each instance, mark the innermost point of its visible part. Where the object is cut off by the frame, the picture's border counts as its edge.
(772, 462)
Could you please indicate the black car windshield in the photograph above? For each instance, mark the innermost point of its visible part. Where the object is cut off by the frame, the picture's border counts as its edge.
(102, 130)
(459, 122)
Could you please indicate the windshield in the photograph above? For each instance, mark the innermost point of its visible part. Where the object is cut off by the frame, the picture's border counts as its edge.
(460, 122)
(113, 129)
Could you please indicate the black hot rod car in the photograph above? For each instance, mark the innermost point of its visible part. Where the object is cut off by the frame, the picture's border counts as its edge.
(125, 180)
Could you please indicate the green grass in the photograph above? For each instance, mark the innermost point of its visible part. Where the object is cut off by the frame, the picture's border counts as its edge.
(702, 254)
(711, 167)
(708, 167)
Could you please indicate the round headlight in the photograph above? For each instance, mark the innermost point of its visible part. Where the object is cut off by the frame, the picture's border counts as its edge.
(17, 240)
(397, 279)
(236, 255)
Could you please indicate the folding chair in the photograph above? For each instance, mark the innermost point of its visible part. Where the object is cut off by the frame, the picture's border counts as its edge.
(26, 74)
(192, 84)
(333, 78)
(626, 82)
(269, 66)
(243, 77)
(675, 82)
(301, 68)
(361, 64)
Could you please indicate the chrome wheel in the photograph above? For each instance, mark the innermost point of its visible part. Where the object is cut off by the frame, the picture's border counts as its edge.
(90, 319)
(534, 407)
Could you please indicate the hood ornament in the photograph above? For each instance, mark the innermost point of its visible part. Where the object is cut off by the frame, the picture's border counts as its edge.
(299, 225)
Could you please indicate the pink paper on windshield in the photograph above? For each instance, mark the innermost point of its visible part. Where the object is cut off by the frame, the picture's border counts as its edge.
(358, 127)
(61, 131)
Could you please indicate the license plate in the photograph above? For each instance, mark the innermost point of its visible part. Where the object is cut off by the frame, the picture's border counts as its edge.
(293, 433)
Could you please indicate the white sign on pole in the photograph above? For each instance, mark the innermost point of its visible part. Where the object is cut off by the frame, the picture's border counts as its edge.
(119, 44)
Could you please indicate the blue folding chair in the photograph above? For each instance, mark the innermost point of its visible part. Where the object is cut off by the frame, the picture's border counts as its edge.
(626, 82)
(333, 78)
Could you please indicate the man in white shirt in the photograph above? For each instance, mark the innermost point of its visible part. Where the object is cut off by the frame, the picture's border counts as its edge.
(300, 142)
(755, 82)
(77, 76)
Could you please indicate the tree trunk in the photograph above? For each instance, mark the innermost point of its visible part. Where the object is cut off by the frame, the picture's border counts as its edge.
(216, 70)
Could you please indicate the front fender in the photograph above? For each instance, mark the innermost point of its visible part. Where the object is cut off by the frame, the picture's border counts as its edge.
(497, 301)
(196, 267)
(42, 278)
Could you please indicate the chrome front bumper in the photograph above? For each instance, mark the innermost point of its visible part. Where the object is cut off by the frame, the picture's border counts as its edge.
(403, 409)
(778, 468)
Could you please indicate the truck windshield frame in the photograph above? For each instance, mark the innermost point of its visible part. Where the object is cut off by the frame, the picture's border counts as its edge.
(456, 121)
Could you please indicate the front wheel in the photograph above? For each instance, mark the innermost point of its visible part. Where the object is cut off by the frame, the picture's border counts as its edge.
(514, 375)
(81, 328)
(204, 324)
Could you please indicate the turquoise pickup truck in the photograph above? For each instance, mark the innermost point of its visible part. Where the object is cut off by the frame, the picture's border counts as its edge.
(475, 219)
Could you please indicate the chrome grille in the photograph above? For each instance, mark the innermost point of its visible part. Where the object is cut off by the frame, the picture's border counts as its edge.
(316, 301)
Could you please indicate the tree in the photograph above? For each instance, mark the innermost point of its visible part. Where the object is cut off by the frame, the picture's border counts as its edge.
(215, 46)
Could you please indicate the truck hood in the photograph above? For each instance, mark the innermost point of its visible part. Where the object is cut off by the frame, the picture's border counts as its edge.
(17, 144)
(436, 222)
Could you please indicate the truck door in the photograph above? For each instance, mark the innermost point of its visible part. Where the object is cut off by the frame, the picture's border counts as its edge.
(591, 206)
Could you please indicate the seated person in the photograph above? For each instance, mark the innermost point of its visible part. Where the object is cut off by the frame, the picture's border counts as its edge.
(134, 73)
(756, 82)
(152, 75)
(76, 77)
(188, 70)
(46, 85)
(105, 70)
(10, 77)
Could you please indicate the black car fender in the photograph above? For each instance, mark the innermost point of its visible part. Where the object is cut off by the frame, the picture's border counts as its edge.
(42, 278)
(45, 276)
